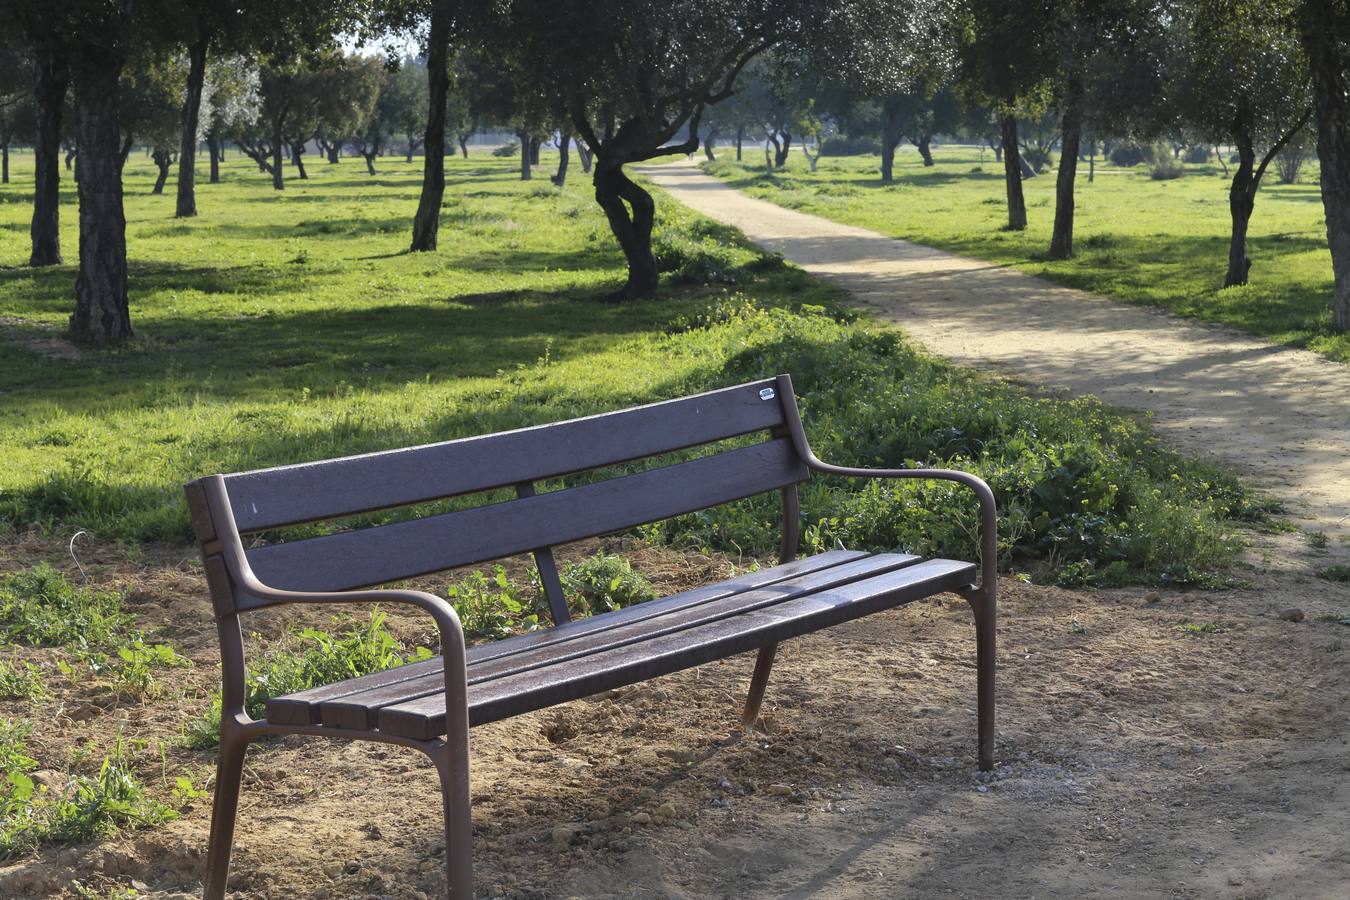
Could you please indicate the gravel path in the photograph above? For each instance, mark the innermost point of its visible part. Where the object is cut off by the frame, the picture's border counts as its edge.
(1279, 416)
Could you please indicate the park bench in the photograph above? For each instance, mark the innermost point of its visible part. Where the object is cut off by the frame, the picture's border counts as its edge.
(431, 704)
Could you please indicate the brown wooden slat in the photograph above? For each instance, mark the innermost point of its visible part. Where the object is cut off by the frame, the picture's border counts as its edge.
(407, 549)
(302, 707)
(500, 698)
(360, 710)
(287, 495)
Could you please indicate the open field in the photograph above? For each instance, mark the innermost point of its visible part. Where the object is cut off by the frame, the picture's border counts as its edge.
(1166, 739)
(1158, 243)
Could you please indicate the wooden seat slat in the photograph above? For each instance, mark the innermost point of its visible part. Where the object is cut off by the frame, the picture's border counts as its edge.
(361, 710)
(424, 718)
(306, 492)
(417, 547)
(302, 707)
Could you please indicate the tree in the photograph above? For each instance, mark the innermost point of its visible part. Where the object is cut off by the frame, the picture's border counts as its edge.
(408, 96)
(1108, 56)
(51, 82)
(635, 75)
(16, 113)
(230, 102)
(1005, 62)
(1323, 29)
(150, 102)
(1244, 81)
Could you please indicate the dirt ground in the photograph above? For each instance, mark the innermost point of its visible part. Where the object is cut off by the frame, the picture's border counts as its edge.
(1134, 759)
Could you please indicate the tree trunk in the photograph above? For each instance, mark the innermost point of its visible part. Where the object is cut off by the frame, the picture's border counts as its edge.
(709, 143)
(213, 148)
(277, 150)
(890, 138)
(334, 153)
(1331, 100)
(4, 161)
(409, 156)
(297, 154)
(995, 144)
(1012, 174)
(1241, 201)
(427, 219)
(585, 153)
(924, 143)
(564, 154)
(70, 156)
(463, 140)
(616, 194)
(525, 173)
(780, 152)
(534, 151)
(101, 314)
(51, 77)
(163, 160)
(370, 167)
(1061, 240)
(187, 150)
(740, 137)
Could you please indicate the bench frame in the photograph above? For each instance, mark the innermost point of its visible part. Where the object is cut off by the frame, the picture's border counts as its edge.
(229, 575)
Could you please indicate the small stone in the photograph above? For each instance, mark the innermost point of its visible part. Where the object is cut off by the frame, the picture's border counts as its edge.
(1152, 597)
(666, 810)
(139, 885)
(724, 784)
(778, 790)
(721, 804)
(642, 818)
(982, 788)
(352, 868)
(1292, 614)
(563, 834)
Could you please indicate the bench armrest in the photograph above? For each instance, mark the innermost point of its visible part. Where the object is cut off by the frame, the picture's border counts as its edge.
(447, 620)
(985, 496)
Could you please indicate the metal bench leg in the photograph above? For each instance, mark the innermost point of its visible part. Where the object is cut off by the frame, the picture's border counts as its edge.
(983, 606)
(224, 809)
(452, 763)
(758, 682)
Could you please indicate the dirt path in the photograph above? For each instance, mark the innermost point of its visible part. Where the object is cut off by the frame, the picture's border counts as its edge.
(1279, 416)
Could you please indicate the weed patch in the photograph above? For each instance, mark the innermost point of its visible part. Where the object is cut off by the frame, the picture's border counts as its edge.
(604, 583)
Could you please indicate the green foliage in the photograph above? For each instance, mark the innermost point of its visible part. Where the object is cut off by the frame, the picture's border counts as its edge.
(603, 583)
(491, 608)
(1199, 628)
(309, 659)
(1335, 573)
(84, 808)
(506, 151)
(1317, 540)
(20, 683)
(1165, 166)
(134, 673)
(42, 608)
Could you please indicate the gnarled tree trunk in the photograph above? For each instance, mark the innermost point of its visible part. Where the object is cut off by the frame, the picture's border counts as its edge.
(585, 154)
(187, 151)
(102, 314)
(163, 160)
(925, 145)
(534, 150)
(51, 77)
(1242, 192)
(709, 142)
(525, 173)
(278, 149)
(781, 149)
(631, 213)
(1012, 174)
(463, 141)
(890, 138)
(740, 139)
(1061, 240)
(427, 219)
(297, 157)
(564, 155)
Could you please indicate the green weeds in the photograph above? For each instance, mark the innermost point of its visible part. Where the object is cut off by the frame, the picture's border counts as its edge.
(306, 660)
(603, 583)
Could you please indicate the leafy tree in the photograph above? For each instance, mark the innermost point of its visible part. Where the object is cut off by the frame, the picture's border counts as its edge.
(1244, 80)
(634, 76)
(230, 102)
(1006, 62)
(1323, 30)
(15, 94)
(50, 67)
(150, 104)
(407, 97)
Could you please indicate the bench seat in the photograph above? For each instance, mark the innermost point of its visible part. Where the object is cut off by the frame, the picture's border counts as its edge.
(581, 658)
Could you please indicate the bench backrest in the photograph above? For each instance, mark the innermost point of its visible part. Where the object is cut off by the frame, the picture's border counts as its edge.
(275, 498)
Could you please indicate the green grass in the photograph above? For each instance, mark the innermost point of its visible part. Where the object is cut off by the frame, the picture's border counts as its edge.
(278, 328)
(1156, 243)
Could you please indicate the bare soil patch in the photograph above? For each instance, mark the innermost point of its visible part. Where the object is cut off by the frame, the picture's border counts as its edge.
(1134, 758)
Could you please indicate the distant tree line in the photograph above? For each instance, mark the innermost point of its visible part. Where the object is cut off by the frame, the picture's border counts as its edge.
(625, 82)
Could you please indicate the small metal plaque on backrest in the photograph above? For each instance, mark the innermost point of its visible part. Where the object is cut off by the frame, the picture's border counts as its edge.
(767, 394)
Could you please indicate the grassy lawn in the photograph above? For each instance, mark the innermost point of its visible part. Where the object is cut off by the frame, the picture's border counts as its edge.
(282, 327)
(1157, 243)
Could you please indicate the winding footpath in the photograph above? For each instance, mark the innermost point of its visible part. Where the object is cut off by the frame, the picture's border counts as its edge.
(1279, 416)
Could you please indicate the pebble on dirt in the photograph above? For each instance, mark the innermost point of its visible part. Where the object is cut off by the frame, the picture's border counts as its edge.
(1292, 614)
